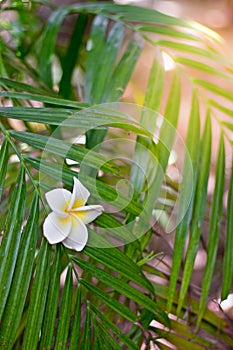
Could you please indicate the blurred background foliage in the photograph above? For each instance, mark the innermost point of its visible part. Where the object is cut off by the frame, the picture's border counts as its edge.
(162, 290)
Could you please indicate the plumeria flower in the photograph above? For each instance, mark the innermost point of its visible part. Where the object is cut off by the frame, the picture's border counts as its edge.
(67, 221)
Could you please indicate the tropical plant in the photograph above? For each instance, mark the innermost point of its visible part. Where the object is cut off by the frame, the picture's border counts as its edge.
(117, 293)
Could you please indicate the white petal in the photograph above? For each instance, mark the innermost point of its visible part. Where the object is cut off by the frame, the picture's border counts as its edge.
(80, 195)
(227, 306)
(56, 228)
(78, 236)
(58, 200)
(88, 213)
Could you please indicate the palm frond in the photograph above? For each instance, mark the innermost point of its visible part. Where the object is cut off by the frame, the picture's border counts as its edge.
(110, 297)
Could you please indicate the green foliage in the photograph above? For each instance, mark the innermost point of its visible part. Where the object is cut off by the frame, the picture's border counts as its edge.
(115, 294)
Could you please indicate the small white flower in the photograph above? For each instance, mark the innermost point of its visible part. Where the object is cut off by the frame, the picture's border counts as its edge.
(67, 221)
(227, 306)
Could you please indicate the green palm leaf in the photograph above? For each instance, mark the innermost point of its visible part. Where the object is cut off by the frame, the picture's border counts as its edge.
(189, 172)
(111, 294)
(214, 231)
(64, 312)
(11, 239)
(38, 297)
(21, 279)
(198, 210)
(228, 256)
(3, 164)
(51, 307)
